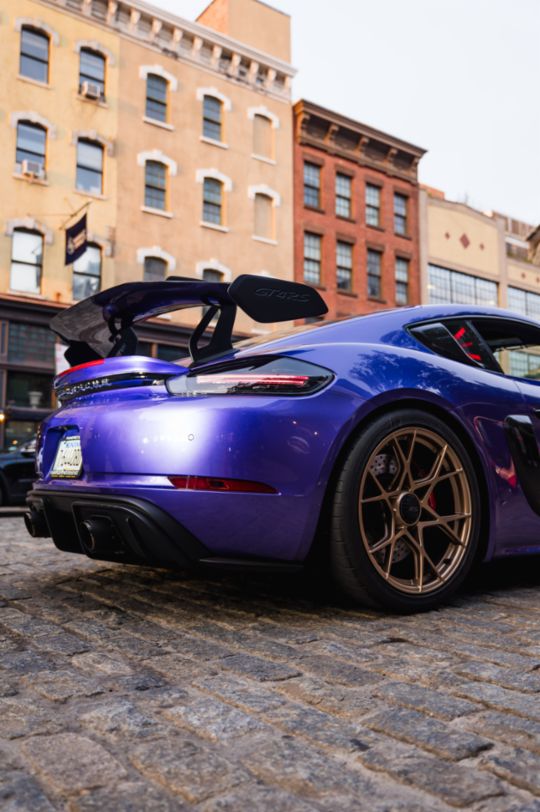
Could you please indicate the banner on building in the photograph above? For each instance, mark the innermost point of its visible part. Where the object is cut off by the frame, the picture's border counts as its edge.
(76, 240)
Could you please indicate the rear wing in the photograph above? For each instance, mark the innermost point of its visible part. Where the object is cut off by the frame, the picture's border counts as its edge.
(102, 325)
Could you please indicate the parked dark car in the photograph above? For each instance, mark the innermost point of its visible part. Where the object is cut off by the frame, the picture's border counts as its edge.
(17, 473)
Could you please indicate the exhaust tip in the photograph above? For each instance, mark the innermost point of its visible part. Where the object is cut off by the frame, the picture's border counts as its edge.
(36, 524)
(96, 535)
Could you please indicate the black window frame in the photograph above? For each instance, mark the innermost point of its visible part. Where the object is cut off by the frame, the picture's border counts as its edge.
(25, 53)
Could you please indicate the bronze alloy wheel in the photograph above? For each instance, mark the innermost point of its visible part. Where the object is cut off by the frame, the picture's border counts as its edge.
(415, 510)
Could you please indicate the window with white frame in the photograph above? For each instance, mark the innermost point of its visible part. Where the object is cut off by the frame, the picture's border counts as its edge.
(312, 258)
(373, 205)
(374, 271)
(87, 273)
(402, 281)
(26, 260)
(312, 185)
(344, 265)
(343, 195)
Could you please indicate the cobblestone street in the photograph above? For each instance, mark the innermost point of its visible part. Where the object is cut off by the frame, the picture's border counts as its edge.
(132, 689)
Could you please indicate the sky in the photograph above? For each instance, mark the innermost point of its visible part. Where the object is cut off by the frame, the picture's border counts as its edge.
(457, 77)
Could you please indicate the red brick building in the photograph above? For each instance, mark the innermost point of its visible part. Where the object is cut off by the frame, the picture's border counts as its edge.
(355, 212)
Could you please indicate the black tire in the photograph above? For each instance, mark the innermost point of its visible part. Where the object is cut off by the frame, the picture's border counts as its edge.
(354, 569)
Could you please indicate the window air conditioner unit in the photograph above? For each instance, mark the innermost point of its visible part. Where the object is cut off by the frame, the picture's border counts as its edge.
(32, 169)
(90, 90)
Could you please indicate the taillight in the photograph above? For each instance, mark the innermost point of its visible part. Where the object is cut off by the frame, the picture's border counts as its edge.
(81, 366)
(259, 376)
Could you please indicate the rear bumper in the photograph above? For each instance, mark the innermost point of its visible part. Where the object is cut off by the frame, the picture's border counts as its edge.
(126, 529)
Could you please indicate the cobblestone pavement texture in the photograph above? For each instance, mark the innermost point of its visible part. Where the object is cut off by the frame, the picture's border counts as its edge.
(136, 689)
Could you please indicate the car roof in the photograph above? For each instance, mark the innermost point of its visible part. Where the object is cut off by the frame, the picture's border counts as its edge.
(383, 326)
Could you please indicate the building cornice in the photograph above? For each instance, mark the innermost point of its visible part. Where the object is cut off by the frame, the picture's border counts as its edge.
(200, 35)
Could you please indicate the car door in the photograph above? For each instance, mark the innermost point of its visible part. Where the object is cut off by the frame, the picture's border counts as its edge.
(516, 347)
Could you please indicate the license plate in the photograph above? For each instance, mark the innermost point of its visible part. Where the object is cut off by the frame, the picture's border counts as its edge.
(68, 460)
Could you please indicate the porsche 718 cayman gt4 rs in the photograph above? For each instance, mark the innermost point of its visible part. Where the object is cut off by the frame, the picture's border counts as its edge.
(395, 441)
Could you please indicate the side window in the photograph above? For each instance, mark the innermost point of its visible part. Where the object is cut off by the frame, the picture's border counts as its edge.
(515, 345)
(458, 340)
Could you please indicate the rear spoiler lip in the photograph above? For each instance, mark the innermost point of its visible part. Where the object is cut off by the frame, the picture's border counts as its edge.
(101, 326)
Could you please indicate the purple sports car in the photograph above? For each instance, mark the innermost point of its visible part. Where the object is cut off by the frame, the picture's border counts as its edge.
(392, 446)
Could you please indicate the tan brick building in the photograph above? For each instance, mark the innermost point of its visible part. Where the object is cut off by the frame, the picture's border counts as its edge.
(356, 212)
(177, 134)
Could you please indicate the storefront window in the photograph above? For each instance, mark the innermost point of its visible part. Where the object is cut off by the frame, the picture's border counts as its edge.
(30, 391)
(18, 432)
(30, 344)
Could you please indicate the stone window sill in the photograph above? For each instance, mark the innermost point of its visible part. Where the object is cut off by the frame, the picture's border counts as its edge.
(159, 212)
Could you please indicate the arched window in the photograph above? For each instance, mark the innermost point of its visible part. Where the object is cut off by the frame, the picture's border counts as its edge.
(264, 217)
(212, 201)
(34, 56)
(263, 137)
(156, 97)
(26, 260)
(87, 273)
(155, 269)
(155, 185)
(92, 73)
(212, 118)
(89, 166)
(31, 145)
